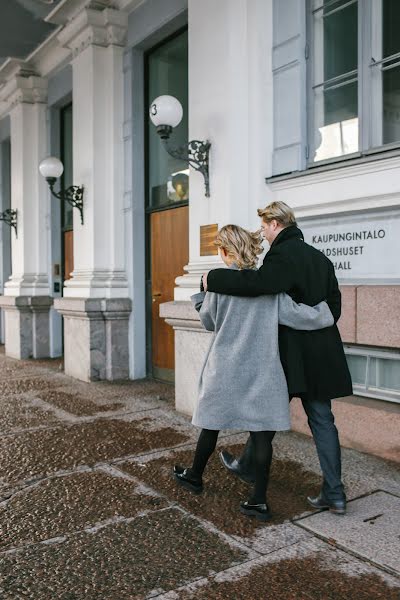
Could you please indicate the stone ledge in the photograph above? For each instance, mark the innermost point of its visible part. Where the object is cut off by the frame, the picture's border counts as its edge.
(181, 315)
(180, 309)
(26, 303)
(94, 308)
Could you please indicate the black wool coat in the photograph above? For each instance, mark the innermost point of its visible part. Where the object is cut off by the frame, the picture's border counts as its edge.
(314, 361)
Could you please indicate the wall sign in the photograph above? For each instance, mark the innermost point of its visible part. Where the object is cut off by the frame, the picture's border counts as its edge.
(363, 247)
(208, 233)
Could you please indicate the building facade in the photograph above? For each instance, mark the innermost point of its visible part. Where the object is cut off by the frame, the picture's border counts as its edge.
(300, 100)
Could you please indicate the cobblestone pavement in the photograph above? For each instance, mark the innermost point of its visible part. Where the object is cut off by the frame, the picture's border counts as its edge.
(89, 510)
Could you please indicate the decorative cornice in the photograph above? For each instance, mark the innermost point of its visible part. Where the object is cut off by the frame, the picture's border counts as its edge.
(23, 88)
(81, 23)
(128, 5)
(66, 10)
(92, 27)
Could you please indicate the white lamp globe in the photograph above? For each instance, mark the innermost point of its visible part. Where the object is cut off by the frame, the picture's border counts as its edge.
(166, 110)
(51, 167)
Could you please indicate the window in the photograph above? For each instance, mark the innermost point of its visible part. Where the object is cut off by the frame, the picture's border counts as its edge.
(355, 77)
(167, 73)
(375, 373)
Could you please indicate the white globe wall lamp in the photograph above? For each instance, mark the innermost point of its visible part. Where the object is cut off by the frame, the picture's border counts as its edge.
(51, 169)
(166, 113)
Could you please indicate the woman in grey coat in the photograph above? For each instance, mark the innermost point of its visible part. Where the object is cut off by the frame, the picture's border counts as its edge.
(242, 384)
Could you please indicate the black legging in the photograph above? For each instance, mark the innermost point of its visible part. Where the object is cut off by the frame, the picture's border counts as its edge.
(262, 444)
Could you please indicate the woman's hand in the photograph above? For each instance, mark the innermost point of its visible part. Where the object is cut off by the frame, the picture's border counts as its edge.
(205, 281)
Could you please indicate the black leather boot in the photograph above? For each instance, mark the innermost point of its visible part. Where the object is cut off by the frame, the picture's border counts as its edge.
(260, 511)
(186, 479)
(242, 467)
(338, 507)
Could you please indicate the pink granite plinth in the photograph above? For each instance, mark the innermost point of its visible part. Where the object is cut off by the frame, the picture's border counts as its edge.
(347, 322)
(365, 425)
(378, 316)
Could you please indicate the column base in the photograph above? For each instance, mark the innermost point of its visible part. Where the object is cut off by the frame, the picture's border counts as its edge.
(96, 344)
(191, 345)
(27, 326)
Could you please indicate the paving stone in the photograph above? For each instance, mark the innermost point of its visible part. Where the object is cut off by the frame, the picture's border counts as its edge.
(62, 505)
(69, 531)
(220, 500)
(76, 404)
(159, 551)
(140, 388)
(18, 413)
(370, 529)
(271, 538)
(34, 454)
(81, 399)
(27, 384)
(124, 391)
(306, 571)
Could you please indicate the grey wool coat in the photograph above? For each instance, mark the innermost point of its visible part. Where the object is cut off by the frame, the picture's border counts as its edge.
(242, 384)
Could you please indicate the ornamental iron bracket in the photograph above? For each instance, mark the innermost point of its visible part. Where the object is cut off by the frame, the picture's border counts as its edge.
(73, 195)
(9, 216)
(196, 153)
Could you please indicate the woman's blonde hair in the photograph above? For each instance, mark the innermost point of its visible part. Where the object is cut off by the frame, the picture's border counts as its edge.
(241, 245)
(279, 211)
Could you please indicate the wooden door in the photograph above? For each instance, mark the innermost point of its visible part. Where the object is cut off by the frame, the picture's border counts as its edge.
(169, 233)
(68, 254)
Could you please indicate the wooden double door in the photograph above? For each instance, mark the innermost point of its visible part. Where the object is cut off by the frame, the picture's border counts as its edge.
(169, 252)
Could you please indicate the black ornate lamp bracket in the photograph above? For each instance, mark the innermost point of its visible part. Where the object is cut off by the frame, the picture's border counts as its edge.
(9, 216)
(196, 153)
(73, 195)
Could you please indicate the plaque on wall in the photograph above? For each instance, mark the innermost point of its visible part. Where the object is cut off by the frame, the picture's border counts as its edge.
(208, 233)
(364, 247)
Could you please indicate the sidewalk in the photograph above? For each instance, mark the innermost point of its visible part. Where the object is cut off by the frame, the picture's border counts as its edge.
(89, 510)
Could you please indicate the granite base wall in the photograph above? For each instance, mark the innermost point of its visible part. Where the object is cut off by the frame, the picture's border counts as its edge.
(27, 326)
(96, 339)
(371, 315)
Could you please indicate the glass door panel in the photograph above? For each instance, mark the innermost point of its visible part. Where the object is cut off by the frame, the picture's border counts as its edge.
(167, 73)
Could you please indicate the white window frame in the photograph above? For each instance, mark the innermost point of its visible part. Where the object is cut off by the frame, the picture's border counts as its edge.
(367, 390)
(369, 85)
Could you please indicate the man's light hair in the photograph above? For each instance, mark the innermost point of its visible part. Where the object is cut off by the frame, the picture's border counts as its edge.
(279, 211)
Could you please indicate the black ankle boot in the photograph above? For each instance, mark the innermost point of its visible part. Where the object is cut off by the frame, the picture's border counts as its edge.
(236, 467)
(338, 507)
(188, 480)
(260, 511)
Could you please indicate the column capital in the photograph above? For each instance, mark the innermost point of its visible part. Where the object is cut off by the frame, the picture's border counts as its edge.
(24, 87)
(95, 27)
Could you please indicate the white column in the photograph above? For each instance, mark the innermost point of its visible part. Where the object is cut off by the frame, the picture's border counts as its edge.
(5, 230)
(29, 194)
(26, 301)
(230, 104)
(96, 304)
(97, 39)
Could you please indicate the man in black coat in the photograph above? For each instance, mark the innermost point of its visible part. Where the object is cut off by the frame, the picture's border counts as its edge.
(314, 361)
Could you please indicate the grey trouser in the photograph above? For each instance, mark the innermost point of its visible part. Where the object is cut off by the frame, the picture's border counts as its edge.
(325, 434)
(322, 425)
